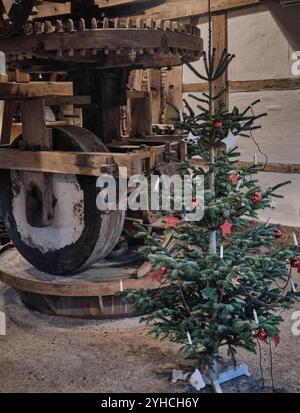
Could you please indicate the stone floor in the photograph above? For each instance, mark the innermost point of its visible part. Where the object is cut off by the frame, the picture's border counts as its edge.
(47, 354)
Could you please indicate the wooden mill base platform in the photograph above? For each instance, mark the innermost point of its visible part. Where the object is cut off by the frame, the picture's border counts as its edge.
(90, 294)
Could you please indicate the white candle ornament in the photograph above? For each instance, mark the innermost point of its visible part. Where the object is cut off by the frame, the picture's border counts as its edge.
(189, 338)
(295, 239)
(255, 159)
(255, 316)
(221, 251)
(121, 286)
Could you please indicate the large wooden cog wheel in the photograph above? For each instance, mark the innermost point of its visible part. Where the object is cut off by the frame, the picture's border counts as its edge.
(14, 14)
(80, 234)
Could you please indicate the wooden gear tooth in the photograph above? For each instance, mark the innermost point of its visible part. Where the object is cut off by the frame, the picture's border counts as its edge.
(59, 27)
(158, 24)
(167, 25)
(70, 26)
(48, 27)
(175, 26)
(105, 23)
(81, 25)
(150, 24)
(129, 23)
(140, 23)
(38, 27)
(117, 23)
(94, 24)
(28, 28)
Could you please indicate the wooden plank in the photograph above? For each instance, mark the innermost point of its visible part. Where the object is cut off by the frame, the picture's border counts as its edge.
(188, 8)
(73, 163)
(248, 85)
(20, 91)
(220, 42)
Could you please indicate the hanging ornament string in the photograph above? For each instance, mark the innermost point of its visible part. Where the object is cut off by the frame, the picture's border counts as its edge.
(261, 366)
(257, 144)
(271, 367)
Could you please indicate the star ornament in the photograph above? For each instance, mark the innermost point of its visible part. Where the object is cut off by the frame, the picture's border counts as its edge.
(230, 141)
(235, 281)
(156, 276)
(226, 228)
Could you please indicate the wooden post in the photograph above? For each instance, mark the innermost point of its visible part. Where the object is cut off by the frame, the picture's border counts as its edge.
(173, 94)
(220, 42)
(38, 186)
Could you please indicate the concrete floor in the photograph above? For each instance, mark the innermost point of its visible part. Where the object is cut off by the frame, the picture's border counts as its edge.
(47, 354)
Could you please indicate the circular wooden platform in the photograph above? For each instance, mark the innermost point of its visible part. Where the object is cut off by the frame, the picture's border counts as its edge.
(90, 294)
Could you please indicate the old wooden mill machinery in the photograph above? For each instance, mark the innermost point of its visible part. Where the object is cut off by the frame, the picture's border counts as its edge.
(48, 174)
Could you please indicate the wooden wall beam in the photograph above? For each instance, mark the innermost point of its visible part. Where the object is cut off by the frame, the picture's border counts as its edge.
(248, 85)
(220, 42)
(189, 8)
(293, 168)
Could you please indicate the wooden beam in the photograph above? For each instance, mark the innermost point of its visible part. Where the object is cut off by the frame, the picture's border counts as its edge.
(248, 85)
(20, 91)
(70, 100)
(188, 8)
(72, 163)
(48, 9)
(266, 84)
(220, 42)
(113, 3)
(270, 167)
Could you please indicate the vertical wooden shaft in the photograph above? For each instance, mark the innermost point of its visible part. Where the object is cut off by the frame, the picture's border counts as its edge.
(220, 42)
(38, 186)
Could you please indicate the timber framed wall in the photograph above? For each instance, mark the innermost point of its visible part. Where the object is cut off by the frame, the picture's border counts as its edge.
(263, 37)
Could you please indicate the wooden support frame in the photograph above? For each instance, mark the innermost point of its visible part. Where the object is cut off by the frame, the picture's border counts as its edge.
(77, 163)
(27, 90)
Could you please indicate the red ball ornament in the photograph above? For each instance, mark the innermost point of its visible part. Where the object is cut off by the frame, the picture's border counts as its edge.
(262, 335)
(277, 233)
(295, 263)
(218, 124)
(163, 270)
(234, 178)
(256, 198)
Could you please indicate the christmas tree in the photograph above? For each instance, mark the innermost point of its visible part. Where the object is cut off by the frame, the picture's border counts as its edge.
(222, 280)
